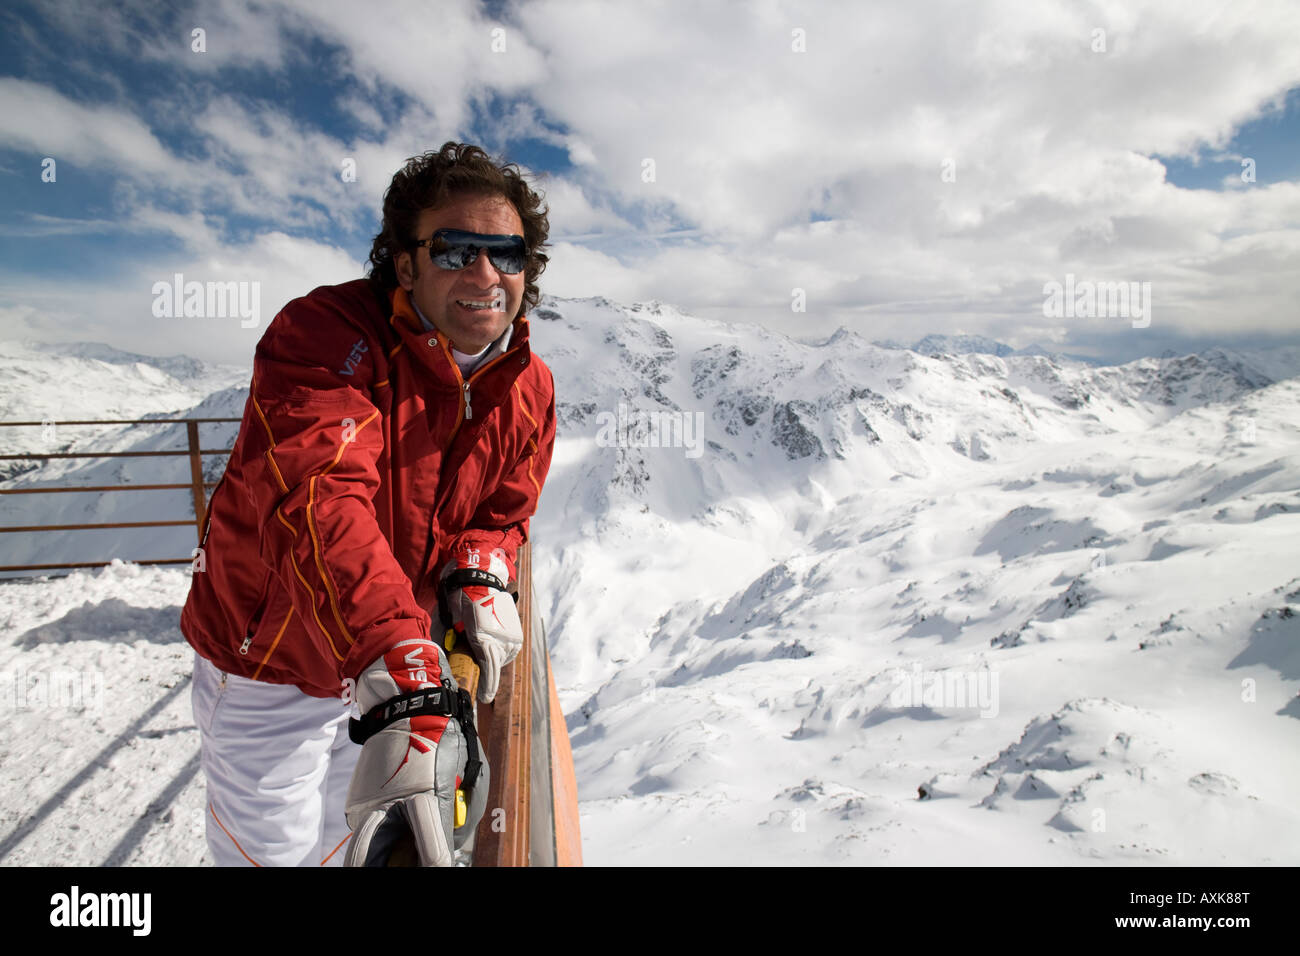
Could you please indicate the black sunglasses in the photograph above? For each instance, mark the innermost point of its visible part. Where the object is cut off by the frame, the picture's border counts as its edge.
(454, 249)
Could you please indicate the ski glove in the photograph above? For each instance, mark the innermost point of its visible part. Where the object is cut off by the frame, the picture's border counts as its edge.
(407, 774)
(481, 610)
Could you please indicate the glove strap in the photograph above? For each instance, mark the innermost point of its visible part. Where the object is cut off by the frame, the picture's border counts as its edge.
(472, 762)
(464, 578)
(471, 577)
(435, 702)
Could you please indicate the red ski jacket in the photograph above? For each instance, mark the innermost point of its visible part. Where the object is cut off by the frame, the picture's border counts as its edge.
(363, 461)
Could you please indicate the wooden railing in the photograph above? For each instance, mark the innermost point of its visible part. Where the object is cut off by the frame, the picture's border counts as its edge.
(527, 747)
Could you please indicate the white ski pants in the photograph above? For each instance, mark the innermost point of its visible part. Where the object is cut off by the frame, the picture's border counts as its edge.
(278, 763)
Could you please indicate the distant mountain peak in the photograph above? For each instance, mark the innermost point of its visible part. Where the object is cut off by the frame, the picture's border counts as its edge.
(959, 344)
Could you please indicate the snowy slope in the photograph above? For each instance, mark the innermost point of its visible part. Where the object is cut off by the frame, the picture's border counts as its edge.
(868, 605)
(1114, 544)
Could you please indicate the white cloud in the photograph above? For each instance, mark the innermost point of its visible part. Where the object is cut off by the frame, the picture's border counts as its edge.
(751, 141)
(1048, 138)
(441, 55)
(576, 271)
(36, 118)
(284, 268)
(573, 212)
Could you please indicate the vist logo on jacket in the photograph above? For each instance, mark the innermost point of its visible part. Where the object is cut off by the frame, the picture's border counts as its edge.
(354, 358)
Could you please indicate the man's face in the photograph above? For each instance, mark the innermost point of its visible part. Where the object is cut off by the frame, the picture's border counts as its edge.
(438, 292)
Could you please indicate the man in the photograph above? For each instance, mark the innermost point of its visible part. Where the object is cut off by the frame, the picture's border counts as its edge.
(396, 437)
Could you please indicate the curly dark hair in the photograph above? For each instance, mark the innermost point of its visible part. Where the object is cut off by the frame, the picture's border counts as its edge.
(433, 178)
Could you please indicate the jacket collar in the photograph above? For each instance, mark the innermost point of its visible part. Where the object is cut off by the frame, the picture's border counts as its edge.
(499, 347)
(433, 348)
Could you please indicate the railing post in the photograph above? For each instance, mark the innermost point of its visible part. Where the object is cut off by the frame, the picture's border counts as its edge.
(196, 477)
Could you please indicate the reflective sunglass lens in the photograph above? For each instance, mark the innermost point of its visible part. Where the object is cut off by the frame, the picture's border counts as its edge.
(451, 249)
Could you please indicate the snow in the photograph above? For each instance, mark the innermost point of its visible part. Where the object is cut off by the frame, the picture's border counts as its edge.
(904, 608)
(100, 755)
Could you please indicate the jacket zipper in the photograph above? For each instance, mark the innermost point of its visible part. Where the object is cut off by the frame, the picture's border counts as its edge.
(466, 410)
(207, 516)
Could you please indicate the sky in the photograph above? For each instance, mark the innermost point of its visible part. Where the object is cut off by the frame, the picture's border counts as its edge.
(894, 168)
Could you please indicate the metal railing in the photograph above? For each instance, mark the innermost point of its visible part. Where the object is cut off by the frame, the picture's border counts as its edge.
(197, 486)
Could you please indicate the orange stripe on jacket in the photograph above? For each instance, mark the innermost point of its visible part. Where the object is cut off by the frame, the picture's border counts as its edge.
(315, 531)
(311, 597)
(270, 437)
(312, 530)
(271, 650)
(524, 408)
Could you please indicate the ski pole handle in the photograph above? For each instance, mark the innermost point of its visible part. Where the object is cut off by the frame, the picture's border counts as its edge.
(466, 673)
(463, 667)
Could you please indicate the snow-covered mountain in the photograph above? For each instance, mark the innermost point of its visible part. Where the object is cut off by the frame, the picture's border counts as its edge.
(1110, 545)
(91, 381)
(952, 345)
(841, 602)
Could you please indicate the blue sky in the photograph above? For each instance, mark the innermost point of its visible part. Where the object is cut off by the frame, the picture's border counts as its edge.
(1272, 141)
(913, 168)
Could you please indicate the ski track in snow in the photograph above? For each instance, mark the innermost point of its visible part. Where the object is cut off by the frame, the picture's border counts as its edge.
(1106, 555)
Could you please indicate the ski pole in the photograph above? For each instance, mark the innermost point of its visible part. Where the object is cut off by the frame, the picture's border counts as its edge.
(466, 673)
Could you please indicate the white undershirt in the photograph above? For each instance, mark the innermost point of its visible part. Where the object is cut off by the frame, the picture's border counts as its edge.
(464, 361)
